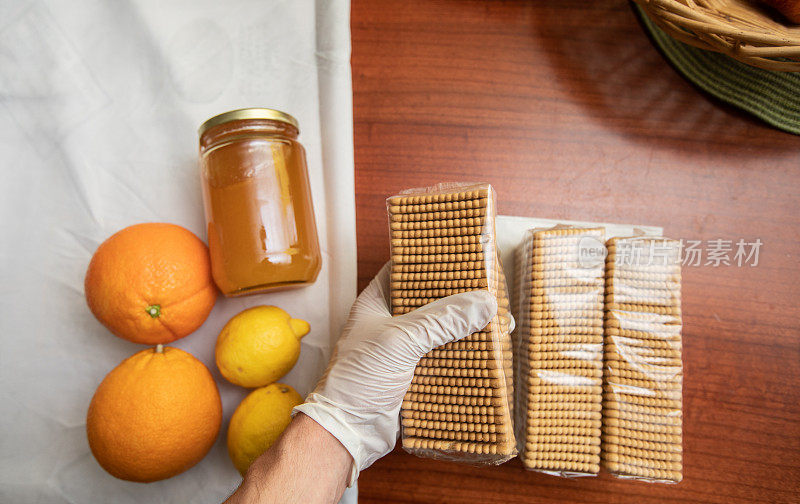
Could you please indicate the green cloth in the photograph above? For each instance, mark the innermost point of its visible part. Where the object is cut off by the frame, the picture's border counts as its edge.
(773, 97)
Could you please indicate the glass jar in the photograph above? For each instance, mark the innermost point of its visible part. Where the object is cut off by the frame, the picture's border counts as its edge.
(262, 234)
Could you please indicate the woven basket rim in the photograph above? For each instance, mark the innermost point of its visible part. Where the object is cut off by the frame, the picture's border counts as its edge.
(747, 33)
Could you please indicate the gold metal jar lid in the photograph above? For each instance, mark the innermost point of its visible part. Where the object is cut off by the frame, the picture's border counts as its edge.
(248, 113)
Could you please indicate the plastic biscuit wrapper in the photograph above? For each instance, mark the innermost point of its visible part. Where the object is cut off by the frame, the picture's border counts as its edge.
(643, 371)
(558, 345)
(459, 406)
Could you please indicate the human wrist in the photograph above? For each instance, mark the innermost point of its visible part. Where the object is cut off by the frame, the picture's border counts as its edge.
(334, 451)
(335, 421)
(306, 455)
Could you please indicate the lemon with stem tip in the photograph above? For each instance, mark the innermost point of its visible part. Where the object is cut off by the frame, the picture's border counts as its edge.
(259, 345)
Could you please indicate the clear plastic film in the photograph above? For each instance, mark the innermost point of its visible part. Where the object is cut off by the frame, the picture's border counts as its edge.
(459, 406)
(643, 372)
(558, 346)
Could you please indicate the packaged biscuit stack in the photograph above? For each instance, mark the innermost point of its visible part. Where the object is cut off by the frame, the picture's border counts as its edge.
(507, 326)
(559, 347)
(460, 401)
(642, 415)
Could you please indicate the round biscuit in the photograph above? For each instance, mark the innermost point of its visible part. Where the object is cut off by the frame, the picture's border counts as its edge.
(642, 462)
(643, 472)
(615, 442)
(644, 428)
(564, 456)
(558, 430)
(609, 431)
(658, 399)
(535, 447)
(567, 414)
(666, 456)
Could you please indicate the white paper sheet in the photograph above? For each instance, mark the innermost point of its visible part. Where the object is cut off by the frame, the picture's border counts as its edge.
(99, 107)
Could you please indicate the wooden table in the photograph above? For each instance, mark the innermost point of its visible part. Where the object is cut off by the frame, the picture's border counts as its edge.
(569, 111)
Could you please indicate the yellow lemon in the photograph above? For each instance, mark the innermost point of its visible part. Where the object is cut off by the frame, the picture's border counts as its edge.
(259, 345)
(258, 422)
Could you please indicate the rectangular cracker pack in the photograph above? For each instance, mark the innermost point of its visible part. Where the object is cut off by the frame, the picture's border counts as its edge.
(643, 372)
(558, 346)
(460, 403)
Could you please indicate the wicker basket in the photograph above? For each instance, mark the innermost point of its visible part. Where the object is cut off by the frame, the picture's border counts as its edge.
(744, 30)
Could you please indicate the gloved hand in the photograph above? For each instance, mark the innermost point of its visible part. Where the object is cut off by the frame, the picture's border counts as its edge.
(358, 398)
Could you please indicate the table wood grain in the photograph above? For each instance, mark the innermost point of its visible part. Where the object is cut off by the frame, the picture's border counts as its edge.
(569, 111)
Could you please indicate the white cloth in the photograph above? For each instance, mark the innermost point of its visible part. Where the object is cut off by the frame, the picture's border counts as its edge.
(358, 398)
(99, 108)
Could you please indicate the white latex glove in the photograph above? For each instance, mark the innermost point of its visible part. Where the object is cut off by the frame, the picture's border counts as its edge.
(358, 398)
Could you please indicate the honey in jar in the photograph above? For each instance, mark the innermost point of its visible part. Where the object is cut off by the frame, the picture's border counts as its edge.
(262, 234)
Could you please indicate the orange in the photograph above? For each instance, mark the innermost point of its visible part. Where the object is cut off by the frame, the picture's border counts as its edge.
(151, 283)
(154, 416)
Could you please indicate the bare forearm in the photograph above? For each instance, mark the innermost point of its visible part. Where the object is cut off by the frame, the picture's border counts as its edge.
(306, 465)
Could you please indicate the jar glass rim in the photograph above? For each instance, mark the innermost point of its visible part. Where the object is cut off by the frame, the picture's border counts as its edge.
(248, 113)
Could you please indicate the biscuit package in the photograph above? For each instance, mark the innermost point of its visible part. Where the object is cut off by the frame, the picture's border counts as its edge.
(459, 406)
(643, 372)
(558, 345)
